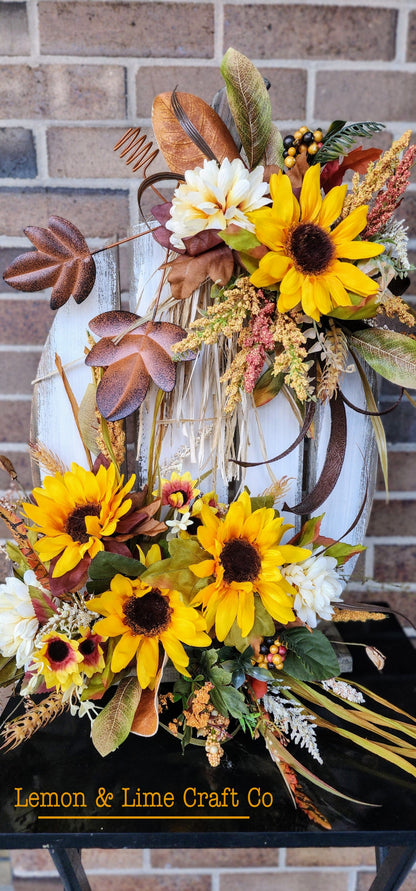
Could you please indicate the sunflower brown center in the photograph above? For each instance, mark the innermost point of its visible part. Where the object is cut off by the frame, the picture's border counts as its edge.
(311, 248)
(58, 650)
(75, 524)
(87, 647)
(240, 560)
(148, 615)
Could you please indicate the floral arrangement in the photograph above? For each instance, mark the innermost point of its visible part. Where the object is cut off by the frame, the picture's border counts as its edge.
(287, 277)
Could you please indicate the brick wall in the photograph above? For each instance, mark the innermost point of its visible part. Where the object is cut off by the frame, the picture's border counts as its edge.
(74, 74)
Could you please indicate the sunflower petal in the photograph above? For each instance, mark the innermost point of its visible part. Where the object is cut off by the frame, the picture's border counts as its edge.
(354, 279)
(332, 206)
(310, 196)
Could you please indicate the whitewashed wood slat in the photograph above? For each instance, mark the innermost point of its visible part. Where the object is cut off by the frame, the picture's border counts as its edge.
(275, 421)
(271, 428)
(52, 422)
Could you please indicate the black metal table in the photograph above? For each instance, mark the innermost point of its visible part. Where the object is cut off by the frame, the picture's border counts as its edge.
(56, 791)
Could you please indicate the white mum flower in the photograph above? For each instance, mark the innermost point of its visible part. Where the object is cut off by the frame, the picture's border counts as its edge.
(317, 585)
(18, 622)
(215, 196)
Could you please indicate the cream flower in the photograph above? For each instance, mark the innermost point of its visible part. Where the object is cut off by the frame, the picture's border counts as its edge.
(317, 585)
(215, 196)
(18, 622)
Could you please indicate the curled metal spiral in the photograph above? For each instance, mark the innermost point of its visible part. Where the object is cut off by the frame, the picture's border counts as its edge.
(139, 147)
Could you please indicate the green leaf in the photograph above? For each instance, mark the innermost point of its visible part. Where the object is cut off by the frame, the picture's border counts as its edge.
(391, 354)
(267, 387)
(243, 240)
(343, 551)
(229, 701)
(15, 555)
(106, 565)
(249, 103)
(274, 149)
(42, 604)
(310, 531)
(112, 726)
(174, 572)
(360, 309)
(310, 656)
(9, 671)
(339, 139)
(259, 501)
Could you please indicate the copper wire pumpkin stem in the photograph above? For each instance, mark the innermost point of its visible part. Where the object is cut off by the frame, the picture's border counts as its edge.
(140, 148)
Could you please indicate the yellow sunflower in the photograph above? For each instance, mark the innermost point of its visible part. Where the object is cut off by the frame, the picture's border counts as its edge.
(143, 617)
(75, 511)
(305, 253)
(59, 661)
(246, 553)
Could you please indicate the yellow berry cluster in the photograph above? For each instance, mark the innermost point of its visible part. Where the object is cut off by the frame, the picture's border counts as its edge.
(304, 140)
(272, 653)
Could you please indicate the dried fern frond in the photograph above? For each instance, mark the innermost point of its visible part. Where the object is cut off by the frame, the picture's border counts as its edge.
(47, 459)
(35, 717)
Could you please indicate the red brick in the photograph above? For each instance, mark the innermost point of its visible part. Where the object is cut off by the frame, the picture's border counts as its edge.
(330, 857)
(85, 152)
(21, 463)
(287, 90)
(14, 32)
(291, 881)
(73, 92)
(364, 880)
(97, 212)
(411, 43)
(397, 517)
(24, 321)
(14, 420)
(365, 95)
(5, 567)
(17, 153)
(213, 857)
(296, 30)
(38, 861)
(182, 30)
(395, 563)
(402, 472)
(17, 371)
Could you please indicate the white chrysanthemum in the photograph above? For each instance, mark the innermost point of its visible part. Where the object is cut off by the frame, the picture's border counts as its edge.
(215, 196)
(317, 585)
(18, 622)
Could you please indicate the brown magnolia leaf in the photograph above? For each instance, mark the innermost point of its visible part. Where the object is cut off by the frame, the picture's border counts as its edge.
(178, 149)
(62, 261)
(6, 464)
(376, 657)
(146, 719)
(187, 273)
(142, 354)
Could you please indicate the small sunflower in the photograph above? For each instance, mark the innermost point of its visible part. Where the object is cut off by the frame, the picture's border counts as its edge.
(75, 511)
(305, 253)
(246, 553)
(142, 617)
(91, 651)
(59, 661)
(179, 491)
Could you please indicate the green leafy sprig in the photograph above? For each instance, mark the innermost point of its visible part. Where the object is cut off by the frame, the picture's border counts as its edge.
(341, 136)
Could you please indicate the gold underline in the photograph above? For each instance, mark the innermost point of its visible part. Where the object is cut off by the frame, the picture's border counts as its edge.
(131, 817)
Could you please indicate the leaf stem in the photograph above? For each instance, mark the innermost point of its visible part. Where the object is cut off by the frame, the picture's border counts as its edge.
(123, 241)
